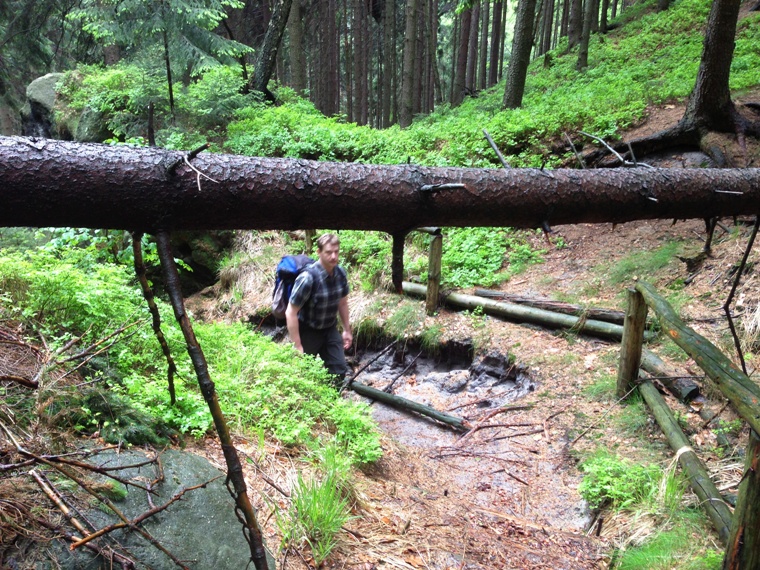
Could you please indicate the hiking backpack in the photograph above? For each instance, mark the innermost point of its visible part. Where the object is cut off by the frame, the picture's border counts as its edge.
(289, 267)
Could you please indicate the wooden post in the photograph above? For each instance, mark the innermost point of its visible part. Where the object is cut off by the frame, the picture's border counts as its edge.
(633, 340)
(434, 273)
(397, 261)
(308, 245)
(743, 551)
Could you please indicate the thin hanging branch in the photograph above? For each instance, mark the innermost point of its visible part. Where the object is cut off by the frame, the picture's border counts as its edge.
(235, 480)
(149, 298)
(727, 305)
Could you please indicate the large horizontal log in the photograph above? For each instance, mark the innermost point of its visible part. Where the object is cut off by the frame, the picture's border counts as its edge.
(56, 183)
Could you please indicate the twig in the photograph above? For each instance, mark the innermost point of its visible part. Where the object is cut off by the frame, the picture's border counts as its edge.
(389, 387)
(581, 163)
(366, 365)
(495, 148)
(726, 305)
(623, 161)
(604, 415)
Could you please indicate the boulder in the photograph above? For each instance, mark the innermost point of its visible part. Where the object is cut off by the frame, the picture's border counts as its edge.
(200, 529)
(38, 116)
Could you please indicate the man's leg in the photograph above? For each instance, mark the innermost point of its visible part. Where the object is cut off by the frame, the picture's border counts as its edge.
(334, 356)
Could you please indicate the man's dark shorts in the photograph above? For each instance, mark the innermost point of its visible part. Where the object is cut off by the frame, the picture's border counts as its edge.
(328, 344)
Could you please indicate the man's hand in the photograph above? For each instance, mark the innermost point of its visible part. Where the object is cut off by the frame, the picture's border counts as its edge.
(348, 339)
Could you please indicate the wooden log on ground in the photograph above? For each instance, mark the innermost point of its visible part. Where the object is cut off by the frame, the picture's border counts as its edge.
(742, 392)
(455, 422)
(709, 496)
(682, 388)
(743, 551)
(523, 314)
(595, 313)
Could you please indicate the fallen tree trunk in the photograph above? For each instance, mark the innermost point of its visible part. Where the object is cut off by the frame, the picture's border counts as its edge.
(699, 479)
(598, 314)
(682, 388)
(455, 422)
(740, 390)
(57, 183)
(524, 314)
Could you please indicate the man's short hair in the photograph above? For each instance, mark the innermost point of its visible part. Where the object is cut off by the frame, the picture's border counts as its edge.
(327, 239)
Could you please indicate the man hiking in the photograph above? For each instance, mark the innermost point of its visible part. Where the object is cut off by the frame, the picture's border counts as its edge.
(318, 298)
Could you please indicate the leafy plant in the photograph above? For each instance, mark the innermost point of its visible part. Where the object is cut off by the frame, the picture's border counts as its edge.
(611, 479)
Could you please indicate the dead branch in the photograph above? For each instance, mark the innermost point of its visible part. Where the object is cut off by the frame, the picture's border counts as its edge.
(141, 273)
(133, 524)
(20, 380)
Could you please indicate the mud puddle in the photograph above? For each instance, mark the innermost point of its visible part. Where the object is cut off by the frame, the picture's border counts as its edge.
(496, 467)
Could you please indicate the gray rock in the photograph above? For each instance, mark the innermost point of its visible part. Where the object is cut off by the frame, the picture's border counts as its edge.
(200, 529)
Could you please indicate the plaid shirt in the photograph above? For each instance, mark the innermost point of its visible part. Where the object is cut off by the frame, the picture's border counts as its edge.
(318, 295)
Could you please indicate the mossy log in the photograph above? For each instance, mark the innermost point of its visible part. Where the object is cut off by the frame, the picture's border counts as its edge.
(455, 422)
(682, 388)
(521, 313)
(595, 313)
(699, 479)
(743, 394)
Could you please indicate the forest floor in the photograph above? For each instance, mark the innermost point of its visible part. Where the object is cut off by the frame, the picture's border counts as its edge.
(507, 496)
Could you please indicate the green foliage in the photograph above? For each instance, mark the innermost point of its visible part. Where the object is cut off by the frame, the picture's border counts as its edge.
(405, 319)
(613, 480)
(641, 264)
(67, 293)
(317, 513)
(368, 255)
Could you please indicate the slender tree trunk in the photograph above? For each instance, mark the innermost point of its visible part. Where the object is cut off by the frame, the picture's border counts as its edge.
(407, 82)
(521, 48)
(563, 26)
(168, 64)
(603, 20)
(582, 62)
(389, 55)
(483, 61)
(575, 23)
(472, 50)
(502, 39)
(419, 60)
(548, 25)
(497, 33)
(297, 53)
(267, 59)
(460, 71)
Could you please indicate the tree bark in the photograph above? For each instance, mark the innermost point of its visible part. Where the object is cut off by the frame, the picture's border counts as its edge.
(699, 479)
(297, 53)
(743, 550)
(460, 71)
(575, 23)
(521, 47)
(67, 184)
(407, 73)
(497, 32)
(267, 58)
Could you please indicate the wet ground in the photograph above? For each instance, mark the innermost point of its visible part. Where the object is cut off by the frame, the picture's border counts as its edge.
(497, 463)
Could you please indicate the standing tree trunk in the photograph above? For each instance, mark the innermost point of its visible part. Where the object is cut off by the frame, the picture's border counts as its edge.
(460, 72)
(575, 23)
(265, 63)
(588, 14)
(521, 47)
(471, 74)
(497, 33)
(407, 73)
(389, 57)
(483, 61)
(297, 53)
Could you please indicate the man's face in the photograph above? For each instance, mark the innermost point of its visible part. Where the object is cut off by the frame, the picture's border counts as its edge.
(328, 256)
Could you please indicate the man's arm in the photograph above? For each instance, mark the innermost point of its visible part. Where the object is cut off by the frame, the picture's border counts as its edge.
(291, 320)
(348, 337)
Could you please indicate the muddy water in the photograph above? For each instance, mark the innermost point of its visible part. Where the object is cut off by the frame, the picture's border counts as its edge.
(510, 470)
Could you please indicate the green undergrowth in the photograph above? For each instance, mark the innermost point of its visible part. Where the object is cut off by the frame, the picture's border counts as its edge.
(63, 295)
(650, 60)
